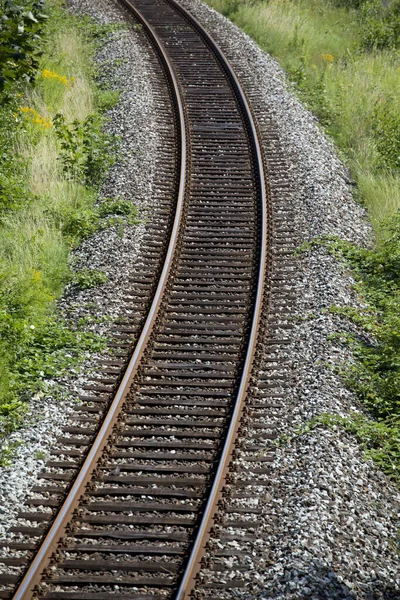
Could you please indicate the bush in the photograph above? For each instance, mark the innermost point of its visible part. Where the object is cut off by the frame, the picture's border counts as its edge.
(86, 151)
(34, 345)
(375, 377)
(89, 278)
(380, 24)
(80, 222)
(349, 3)
(20, 50)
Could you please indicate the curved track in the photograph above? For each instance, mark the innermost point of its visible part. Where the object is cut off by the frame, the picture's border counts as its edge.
(126, 507)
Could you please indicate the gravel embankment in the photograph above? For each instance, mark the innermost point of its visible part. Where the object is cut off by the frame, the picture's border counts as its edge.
(329, 519)
(126, 66)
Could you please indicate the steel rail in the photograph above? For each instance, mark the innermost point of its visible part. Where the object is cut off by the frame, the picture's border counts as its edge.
(49, 544)
(188, 580)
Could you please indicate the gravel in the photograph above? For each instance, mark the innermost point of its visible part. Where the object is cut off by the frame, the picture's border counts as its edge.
(329, 520)
(134, 119)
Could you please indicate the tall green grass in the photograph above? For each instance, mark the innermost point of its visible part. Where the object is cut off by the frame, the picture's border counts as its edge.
(352, 92)
(45, 210)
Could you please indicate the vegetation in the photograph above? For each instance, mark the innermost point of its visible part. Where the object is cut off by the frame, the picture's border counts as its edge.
(376, 375)
(379, 440)
(20, 28)
(375, 342)
(343, 60)
(88, 278)
(54, 156)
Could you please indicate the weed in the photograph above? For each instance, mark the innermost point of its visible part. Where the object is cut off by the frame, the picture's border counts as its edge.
(8, 452)
(35, 117)
(375, 376)
(40, 455)
(62, 79)
(386, 127)
(381, 24)
(380, 441)
(20, 40)
(80, 222)
(14, 191)
(89, 278)
(230, 7)
(33, 348)
(87, 152)
(106, 99)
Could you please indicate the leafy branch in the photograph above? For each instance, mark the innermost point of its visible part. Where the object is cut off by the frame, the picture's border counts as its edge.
(20, 48)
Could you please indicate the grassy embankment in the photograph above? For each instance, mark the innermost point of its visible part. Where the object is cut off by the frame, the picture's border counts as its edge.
(343, 59)
(54, 156)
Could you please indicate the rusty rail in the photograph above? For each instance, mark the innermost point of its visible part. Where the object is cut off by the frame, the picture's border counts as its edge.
(49, 544)
(188, 581)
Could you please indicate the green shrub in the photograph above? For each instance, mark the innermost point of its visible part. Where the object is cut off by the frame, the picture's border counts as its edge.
(106, 99)
(34, 344)
(79, 222)
(87, 152)
(229, 7)
(375, 377)
(381, 24)
(20, 47)
(113, 206)
(88, 278)
(351, 4)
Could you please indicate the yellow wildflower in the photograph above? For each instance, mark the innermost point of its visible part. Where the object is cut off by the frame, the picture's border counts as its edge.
(36, 117)
(46, 74)
(27, 109)
(36, 275)
(314, 66)
(327, 57)
(46, 123)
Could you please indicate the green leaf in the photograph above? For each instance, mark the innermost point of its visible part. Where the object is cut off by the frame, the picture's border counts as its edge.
(29, 16)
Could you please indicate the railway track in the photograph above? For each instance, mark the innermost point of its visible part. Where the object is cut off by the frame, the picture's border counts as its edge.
(126, 504)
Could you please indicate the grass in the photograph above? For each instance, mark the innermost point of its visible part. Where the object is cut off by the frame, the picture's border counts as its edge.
(348, 89)
(55, 157)
(31, 239)
(282, 27)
